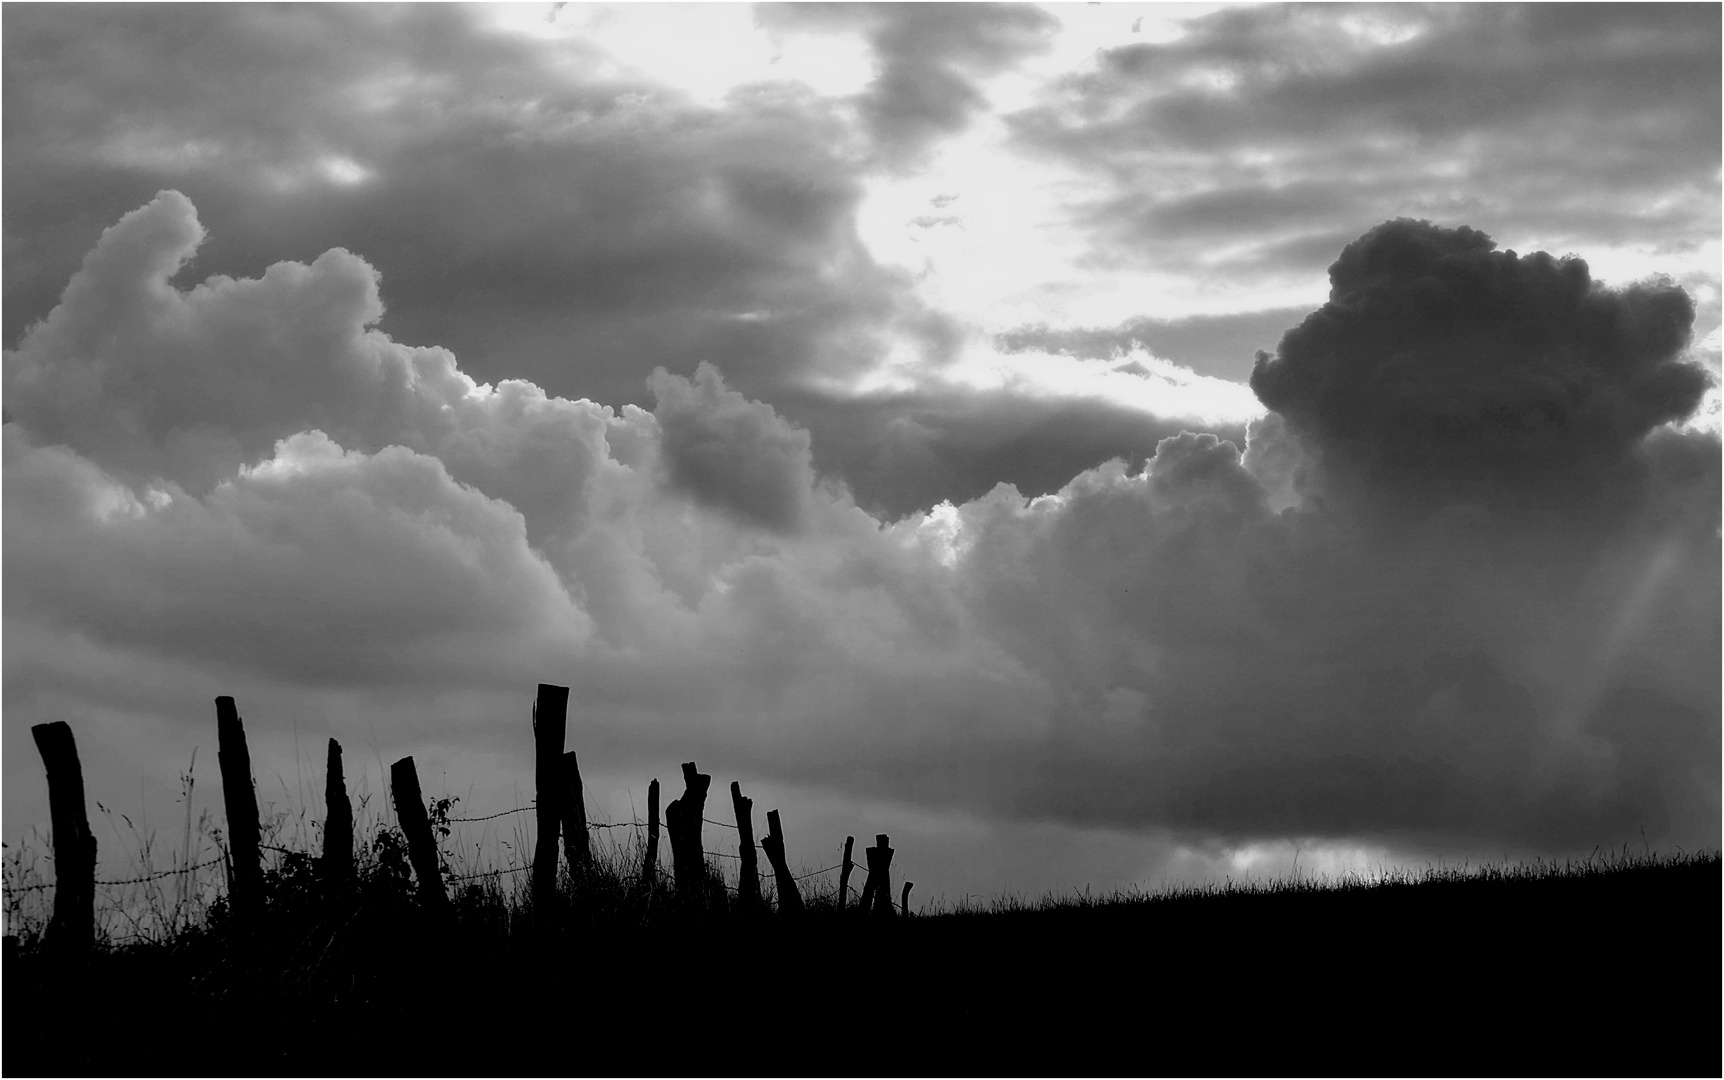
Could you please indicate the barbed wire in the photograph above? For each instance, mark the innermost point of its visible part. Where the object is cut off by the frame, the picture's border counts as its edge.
(123, 881)
(591, 824)
(488, 873)
(816, 873)
(488, 817)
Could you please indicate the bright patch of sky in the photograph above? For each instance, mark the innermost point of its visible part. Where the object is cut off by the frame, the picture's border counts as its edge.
(715, 49)
(1137, 379)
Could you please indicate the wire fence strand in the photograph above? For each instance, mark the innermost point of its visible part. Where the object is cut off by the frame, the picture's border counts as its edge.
(453, 877)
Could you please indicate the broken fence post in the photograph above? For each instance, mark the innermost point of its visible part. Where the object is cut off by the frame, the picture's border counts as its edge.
(904, 901)
(72, 929)
(649, 866)
(240, 800)
(577, 846)
(337, 822)
(683, 819)
(416, 824)
(844, 873)
(748, 880)
(879, 876)
(789, 900)
(550, 718)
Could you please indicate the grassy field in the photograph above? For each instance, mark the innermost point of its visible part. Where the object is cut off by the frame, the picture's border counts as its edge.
(1608, 966)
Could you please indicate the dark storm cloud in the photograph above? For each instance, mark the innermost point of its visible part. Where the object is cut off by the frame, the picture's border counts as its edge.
(1221, 346)
(1452, 370)
(928, 57)
(1579, 124)
(732, 453)
(906, 452)
(568, 229)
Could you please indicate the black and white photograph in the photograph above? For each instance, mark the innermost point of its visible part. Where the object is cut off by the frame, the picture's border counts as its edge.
(861, 539)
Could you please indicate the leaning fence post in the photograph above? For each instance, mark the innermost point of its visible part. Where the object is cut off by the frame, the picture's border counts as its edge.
(577, 846)
(73, 926)
(748, 881)
(649, 866)
(240, 800)
(844, 873)
(879, 876)
(683, 819)
(789, 899)
(904, 901)
(550, 718)
(421, 846)
(337, 822)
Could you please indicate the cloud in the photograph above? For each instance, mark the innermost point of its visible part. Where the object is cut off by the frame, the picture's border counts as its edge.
(245, 486)
(904, 452)
(544, 219)
(732, 453)
(318, 565)
(1451, 370)
(1251, 146)
(928, 57)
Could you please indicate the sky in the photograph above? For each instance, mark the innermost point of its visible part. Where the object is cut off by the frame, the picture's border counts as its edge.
(1093, 444)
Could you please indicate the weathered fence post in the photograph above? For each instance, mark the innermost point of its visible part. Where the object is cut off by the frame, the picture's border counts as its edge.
(72, 929)
(550, 719)
(240, 800)
(748, 882)
(577, 846)
(683, 819)
(649, 866)
(421, 845)
(867, 901)
(904, 901)
(844, 873)
(878, 898)
(337, 823)
(789, 899)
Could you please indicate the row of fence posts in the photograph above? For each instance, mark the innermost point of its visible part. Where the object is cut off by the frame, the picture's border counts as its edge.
(559, 805)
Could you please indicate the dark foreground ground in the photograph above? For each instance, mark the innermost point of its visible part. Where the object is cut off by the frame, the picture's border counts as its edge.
(1604, 974)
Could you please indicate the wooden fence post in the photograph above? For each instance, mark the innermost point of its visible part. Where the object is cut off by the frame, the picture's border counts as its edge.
(649, 866)
(337, 823)
(72, 929)
(748, 881)
(683, 820)
(240, 800)
(577, 846)
(844, 874)
(904, 901)
(789, 899)
(867, 901)
(421, 845)
(550, 719)
(878, 898)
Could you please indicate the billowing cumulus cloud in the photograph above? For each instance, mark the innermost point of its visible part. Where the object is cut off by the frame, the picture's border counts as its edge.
(248, 484)
(1455, 371)
(730, 452)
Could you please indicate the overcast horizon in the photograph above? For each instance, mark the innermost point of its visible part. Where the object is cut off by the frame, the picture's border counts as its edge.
(1095, 444)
